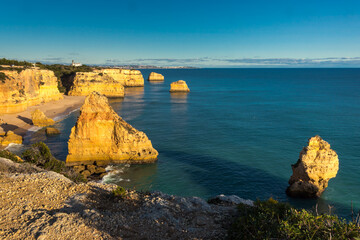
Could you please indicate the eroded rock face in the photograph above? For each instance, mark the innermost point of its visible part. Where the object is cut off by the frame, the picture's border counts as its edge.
(10, 137)
(101, 135)
(179, 86)
(317, 164)
(155, 77)
(39, 119)
(27, 88)
(126, 77)
(85, 83)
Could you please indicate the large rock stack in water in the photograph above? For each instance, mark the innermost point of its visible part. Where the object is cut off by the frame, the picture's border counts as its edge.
(317, 164)
(101, 135)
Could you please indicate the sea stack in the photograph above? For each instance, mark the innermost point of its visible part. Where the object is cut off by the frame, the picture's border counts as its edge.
(155, 77)
(39, 119)
(179, 86)
(317, 164)
(101, 135)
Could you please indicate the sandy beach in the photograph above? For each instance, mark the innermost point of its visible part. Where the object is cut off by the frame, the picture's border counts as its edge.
(21, 122)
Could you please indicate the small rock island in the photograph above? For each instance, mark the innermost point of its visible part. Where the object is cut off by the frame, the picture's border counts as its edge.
(179, 86)
(155, 77)
(101, 135)
(40, 119)
(317, 164)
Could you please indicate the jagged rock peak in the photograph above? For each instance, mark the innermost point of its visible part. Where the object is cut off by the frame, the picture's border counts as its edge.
(40, 119)
(101, 135)
(317, 164)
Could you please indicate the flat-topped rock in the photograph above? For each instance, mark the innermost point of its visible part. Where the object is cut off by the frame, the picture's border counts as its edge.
(155, 77)
(40, 119)
(126, 77)
(101, 135)
(85, 83)
(179, 86)
(317, 164)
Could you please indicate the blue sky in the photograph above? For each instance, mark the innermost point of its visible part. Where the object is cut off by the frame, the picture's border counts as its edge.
(264, 33)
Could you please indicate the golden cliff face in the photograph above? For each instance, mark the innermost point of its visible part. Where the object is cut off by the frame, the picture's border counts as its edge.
(179, 86)
(27, 88)
(86, 82)
(155, 77)
(317, 164)
(127, 77)
(101, 135)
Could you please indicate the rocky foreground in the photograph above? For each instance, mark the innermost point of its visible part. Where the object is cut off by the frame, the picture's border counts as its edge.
(39, 204)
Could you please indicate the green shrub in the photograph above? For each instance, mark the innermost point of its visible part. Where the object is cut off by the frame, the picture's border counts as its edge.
(40, 155)
(9, 155)
(3, 77)
(273, 220)
(119, 192)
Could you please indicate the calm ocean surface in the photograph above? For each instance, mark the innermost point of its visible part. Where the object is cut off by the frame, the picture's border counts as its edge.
(238, 131)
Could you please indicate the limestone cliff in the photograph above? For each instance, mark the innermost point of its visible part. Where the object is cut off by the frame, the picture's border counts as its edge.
(19, 90)
(101, 135)
(127, 77)
(155, 77)
(317, 164)
(39, 119)
(179, 86)
(85, 83)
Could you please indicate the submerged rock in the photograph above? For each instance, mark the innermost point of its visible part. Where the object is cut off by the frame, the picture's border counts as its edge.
(317, 164)
(179, 86)
(39, 119)
(155, 77)
(101, 135)
(10, 137)
(52, 131)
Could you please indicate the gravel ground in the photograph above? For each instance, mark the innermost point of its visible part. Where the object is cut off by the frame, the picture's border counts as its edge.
(39, 204)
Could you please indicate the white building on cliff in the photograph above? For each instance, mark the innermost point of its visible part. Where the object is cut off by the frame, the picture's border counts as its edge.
(74, 64)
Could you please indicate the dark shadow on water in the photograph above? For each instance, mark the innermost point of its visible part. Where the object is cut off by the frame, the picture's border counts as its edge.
(220, 176)
(25, 119)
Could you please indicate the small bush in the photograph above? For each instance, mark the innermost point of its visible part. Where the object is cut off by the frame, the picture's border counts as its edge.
(40, 155)
(3, 77)
(119, 192)
(9, 155)
(273, 220)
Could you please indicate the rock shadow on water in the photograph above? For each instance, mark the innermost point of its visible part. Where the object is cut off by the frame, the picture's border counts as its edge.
(221, 176)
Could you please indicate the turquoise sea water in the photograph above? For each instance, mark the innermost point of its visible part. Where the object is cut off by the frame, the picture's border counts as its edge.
(238, 131)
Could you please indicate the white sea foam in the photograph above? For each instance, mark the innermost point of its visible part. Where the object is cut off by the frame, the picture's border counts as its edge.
(15, 148)
(62, 117)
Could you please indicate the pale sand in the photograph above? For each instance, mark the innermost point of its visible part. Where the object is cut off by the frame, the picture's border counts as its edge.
(19, 123)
